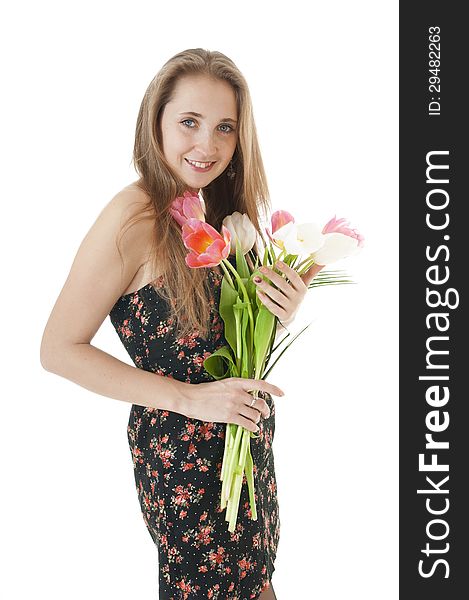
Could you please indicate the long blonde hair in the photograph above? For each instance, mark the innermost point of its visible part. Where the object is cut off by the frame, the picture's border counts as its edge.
(187, 289)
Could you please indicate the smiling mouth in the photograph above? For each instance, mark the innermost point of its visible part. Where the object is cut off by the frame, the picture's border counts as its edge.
(200, 165)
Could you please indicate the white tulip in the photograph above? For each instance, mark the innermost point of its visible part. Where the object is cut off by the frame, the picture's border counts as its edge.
(242, 229)
(336, 246)
(301, 239)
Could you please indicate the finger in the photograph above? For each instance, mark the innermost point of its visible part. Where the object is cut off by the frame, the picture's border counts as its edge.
(260, 405)
(274, 308)
(250, 413)
(295, 280)
(282, 284)
(311, 274)
(261, 384)
(276, 295)
(246, 423)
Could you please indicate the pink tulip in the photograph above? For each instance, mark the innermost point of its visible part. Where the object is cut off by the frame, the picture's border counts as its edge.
(278, 219)
(187, 206)
(207, 247)
(342, 226)
(341, 241)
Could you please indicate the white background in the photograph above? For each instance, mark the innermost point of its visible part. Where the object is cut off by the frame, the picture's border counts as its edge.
(323, 78)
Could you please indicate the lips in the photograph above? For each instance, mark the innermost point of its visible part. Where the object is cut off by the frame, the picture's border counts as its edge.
(200, 163)
(200, 166)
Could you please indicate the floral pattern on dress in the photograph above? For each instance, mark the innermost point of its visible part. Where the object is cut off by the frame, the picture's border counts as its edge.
(177, 465)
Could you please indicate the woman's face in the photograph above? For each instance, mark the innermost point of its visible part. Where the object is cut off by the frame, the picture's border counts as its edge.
(199, 124)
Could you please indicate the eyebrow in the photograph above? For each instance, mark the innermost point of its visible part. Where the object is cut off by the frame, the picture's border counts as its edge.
(194, 114)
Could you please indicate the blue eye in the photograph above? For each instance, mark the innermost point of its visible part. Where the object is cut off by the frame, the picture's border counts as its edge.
(230, 128)
(226, 125)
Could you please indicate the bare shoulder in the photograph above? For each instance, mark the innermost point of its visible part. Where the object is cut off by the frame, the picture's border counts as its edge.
(99, 274)
(127, 222)
(127, 204)
(132, 198)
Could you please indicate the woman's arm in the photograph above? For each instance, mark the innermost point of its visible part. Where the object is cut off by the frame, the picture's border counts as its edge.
(95, 282)
(106, 375)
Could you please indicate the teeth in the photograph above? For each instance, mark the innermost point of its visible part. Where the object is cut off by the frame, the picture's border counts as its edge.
(199, 164)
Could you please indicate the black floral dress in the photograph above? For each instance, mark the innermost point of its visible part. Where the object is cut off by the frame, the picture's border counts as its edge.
(177, 465)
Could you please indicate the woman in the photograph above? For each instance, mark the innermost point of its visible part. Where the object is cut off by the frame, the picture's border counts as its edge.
(195, 133)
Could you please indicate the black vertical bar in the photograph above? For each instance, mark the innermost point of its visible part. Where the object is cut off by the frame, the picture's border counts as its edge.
(434, 268)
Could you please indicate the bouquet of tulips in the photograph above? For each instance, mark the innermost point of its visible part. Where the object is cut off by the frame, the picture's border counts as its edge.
(249, 326)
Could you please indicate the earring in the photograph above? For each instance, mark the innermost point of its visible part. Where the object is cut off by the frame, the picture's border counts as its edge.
(231, 173)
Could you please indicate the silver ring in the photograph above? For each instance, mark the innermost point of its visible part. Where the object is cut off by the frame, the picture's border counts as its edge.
(253, 401)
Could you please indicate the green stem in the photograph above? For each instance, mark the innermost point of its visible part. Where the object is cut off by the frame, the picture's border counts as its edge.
(245, 294)
(238, 481)
(238, 320)
(226, 487)
(303, 262)
(228, 276)
(309, 263)
(250, 480)
(227, 445)
(271, 252)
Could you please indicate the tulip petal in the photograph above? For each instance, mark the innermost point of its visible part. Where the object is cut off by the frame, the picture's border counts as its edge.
(187, 206)
(336, 247)
(280, 218)
(299, 239)
(192, 208)
(208, 248)
(241, 229)
(343, 226)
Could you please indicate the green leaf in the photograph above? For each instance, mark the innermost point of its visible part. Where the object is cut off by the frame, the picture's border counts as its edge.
(228, 298)
(241, 264)
(280, 342)
(251, 290)
(263, 332)
(330, 280)
(287, 346)
(245, 349)
(256, 261)
(331, 277)
(220, 364)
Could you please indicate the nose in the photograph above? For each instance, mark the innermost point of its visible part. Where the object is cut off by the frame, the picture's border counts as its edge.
(206, 144)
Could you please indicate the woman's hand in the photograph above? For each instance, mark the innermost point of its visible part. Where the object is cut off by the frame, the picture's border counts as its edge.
(285, 301)
(228, 401)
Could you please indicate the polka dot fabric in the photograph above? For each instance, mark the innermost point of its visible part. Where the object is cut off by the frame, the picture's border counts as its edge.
(177, 465)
